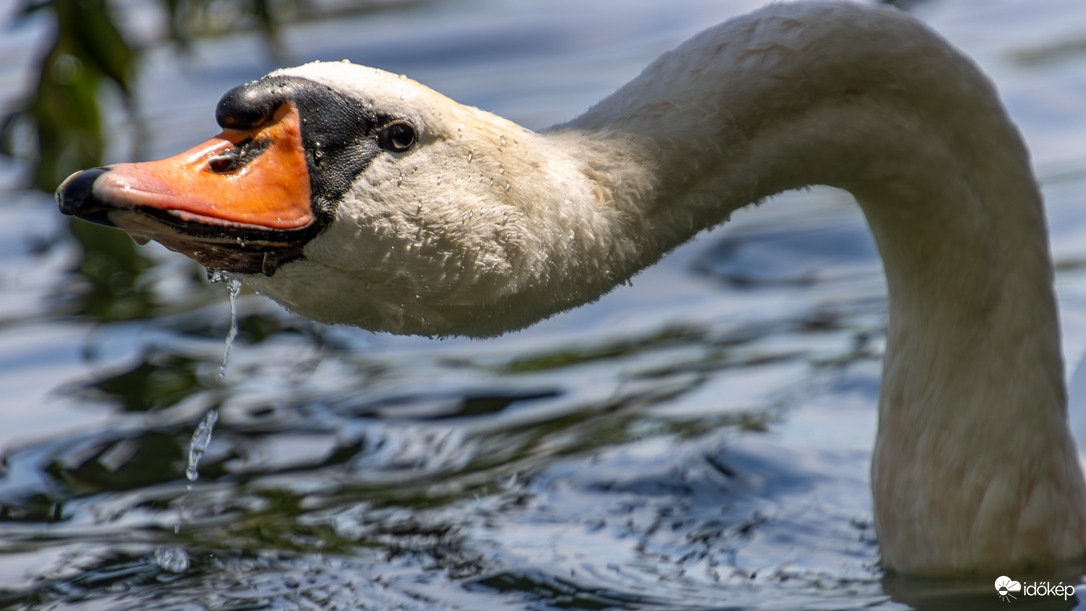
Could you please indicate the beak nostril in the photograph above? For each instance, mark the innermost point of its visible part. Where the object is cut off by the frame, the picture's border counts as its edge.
(221, 164)
(237, 157)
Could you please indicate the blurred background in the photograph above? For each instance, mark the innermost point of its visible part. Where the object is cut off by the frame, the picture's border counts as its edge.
(698, 439)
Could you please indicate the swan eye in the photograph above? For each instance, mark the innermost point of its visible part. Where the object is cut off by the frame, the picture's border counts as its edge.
(398, 136)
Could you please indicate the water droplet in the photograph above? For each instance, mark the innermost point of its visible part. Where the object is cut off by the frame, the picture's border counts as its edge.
(268, 265)
(172, 559)
(201, 439)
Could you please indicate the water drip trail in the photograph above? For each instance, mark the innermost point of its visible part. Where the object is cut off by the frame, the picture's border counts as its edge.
(233, 285)
(176, 559)
(201, 439)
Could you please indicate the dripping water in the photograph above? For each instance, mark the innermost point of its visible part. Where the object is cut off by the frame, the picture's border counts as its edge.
(176, 559)
(201, 439)
(233, 285)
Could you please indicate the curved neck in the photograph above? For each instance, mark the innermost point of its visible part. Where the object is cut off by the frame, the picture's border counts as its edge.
(870, 101)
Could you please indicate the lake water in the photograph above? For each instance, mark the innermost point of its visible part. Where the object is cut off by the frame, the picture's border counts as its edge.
(698, 439)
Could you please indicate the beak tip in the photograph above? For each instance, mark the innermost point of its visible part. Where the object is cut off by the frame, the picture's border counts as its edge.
(75, 196)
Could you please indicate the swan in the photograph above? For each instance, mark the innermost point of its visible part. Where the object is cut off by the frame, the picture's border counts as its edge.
(351, 195)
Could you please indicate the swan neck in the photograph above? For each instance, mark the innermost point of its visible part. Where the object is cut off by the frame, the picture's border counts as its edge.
(870, 101)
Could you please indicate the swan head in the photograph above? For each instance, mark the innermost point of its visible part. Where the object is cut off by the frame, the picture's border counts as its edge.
(352, 195)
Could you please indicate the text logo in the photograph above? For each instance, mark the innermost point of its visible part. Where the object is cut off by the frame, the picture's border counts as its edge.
(1006, 588)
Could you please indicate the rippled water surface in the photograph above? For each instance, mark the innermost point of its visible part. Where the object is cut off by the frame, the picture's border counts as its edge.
(699, 439)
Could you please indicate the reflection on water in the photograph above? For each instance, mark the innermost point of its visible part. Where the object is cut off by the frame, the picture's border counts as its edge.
(699, 439)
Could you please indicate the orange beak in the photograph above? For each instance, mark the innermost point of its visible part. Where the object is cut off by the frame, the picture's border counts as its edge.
(242, 178)
(239, 202)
